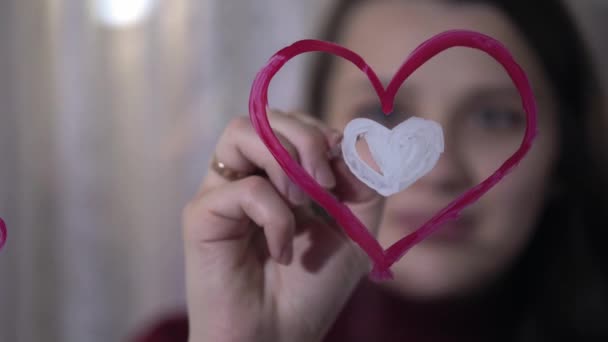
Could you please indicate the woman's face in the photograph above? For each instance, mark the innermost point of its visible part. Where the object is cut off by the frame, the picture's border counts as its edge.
(479, 109)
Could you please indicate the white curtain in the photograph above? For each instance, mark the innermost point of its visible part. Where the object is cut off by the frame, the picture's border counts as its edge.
(105, 133)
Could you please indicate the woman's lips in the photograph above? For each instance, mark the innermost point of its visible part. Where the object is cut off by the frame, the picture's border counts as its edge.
(455, 230)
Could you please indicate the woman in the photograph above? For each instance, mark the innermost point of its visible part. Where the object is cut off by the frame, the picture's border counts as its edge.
(522, 264)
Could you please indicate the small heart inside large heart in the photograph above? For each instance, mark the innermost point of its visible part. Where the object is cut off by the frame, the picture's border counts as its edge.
(402, 154)
(353, 227)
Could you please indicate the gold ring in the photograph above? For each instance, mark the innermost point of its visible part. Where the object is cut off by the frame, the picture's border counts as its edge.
(225, 171)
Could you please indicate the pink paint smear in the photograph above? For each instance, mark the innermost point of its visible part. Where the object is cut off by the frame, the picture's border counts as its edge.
(384, 259)
(3, 233)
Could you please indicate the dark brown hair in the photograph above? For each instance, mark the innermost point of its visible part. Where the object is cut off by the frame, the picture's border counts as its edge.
(558, 289)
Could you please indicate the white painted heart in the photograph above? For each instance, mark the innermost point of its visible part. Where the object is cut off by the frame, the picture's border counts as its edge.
(404, 154)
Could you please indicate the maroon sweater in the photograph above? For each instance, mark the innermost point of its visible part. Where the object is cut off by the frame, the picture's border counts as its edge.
(370, 315)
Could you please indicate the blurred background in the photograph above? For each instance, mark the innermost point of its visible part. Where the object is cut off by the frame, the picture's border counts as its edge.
(109, 112)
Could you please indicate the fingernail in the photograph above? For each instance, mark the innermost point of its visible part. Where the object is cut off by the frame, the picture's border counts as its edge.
(296, 195)
(286, 254)
(325, 176)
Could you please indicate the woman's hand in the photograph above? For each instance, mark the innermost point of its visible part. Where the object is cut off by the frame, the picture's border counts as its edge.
(260, 265)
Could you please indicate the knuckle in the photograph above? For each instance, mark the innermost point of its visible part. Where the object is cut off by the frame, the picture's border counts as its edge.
(258, 196)
(254, 186)
(287, 145)
(255, 190)
(238, 124)
(194, 212)
(309, 118)
(276, 112)
(312, 141)
(284, 220)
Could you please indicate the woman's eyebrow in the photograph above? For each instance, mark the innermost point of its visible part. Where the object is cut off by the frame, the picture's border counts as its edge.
(485, 93)
(491, 92)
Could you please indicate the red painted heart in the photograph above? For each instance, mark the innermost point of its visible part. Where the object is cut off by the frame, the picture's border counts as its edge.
(355, 229)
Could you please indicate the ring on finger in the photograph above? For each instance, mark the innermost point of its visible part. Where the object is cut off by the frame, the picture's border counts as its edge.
(226, 172)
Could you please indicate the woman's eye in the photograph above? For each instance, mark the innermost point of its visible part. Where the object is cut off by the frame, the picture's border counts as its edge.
(498, 119)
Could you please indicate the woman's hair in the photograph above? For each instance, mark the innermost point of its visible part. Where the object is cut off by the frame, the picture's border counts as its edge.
(558, 288)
